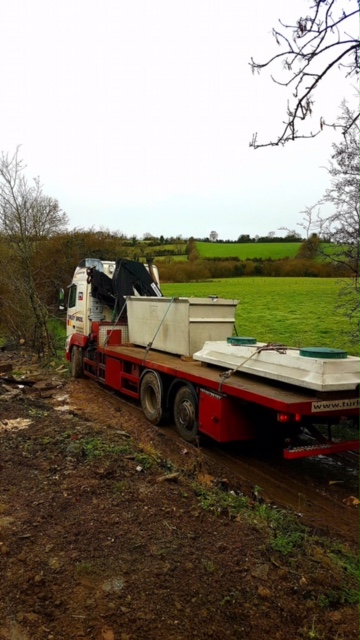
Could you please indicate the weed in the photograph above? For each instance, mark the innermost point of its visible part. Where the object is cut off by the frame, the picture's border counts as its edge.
(348, 596)
(148, 456)
(343, 595)
(65, 436)
(344, 558)
(286, 542)
(17, 374)
(167, 465)
(209, 566)
(38, 413)
(27, 446)
(149, 449)
(119, 487)
(145, 460)
(57, 329)
(346, 565)
(313, 633)
(84, 569)
(257, 491)
(287, 535)
(231, 598)
(96, 448)
(219, 502)
(323, 601)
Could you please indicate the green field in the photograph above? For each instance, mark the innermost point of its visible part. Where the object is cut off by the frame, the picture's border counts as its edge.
(264, 250)
(298, 312)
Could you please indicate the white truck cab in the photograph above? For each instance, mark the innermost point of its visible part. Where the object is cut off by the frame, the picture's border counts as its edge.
(83, 308)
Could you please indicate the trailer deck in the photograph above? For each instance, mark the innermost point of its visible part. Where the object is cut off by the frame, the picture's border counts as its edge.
(281, 397)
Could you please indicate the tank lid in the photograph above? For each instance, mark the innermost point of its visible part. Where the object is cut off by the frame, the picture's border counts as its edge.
(324, 353)
(240, 340)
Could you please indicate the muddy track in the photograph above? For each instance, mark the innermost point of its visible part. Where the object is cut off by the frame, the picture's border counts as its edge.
(316, 501)
(318, 491)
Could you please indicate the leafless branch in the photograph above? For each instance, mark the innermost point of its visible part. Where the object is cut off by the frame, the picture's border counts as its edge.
(305, 56)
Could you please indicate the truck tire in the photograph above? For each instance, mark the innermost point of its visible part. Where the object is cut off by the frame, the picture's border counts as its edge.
(151, 397)
(76, 362)
(185, 413)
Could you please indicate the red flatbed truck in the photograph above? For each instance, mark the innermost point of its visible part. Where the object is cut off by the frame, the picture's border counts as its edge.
(199, 398)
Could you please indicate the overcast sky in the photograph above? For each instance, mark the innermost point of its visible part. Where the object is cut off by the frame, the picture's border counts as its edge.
(137, 114)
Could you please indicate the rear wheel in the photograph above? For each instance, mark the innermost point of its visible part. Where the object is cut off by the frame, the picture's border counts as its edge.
(76, 362)
(151, 397)
(185, 414)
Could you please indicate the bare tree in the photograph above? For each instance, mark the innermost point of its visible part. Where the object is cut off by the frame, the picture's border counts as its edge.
(27, 217)
(213, 236)
(311, 49)
(336, 217)
(342, 224)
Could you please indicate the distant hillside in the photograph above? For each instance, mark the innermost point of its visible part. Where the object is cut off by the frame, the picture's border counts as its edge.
(253, 250)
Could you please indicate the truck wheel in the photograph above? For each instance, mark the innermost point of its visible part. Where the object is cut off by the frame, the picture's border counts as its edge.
(151, 397)
(185, 410)
(76, 362)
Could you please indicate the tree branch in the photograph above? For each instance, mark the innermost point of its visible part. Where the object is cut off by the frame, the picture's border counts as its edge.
(314, 38)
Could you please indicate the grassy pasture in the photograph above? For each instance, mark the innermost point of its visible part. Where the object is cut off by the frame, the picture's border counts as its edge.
(264, 250)
(298, 312)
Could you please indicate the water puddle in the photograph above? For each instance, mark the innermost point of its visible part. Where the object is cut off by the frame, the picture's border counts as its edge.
(332, 465)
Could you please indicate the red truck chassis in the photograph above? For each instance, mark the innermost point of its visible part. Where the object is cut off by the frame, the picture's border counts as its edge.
(203, 399)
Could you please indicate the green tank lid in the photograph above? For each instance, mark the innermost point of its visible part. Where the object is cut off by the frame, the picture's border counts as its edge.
(323, 352)
(240, 340)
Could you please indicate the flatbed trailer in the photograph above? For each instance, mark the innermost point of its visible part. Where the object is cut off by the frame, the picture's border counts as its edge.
(204, 399)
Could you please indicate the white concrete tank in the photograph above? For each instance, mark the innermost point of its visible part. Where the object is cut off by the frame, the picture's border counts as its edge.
(312, 368)
(179, 325)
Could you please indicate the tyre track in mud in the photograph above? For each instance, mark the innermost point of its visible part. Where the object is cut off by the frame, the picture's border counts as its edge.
(318, 501)
(317, 506)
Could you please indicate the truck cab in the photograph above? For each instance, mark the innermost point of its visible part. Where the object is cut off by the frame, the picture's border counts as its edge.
(84, 307)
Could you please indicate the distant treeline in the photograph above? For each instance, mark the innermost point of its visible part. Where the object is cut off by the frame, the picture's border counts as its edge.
(246, 239)
(155, 241)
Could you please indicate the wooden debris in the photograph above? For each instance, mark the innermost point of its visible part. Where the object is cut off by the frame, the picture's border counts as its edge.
(170, 477)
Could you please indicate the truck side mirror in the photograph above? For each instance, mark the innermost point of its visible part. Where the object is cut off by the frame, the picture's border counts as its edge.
(62, 300)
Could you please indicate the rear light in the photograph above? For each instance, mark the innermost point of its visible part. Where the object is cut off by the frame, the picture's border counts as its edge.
(283, 417)
(288, 417)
